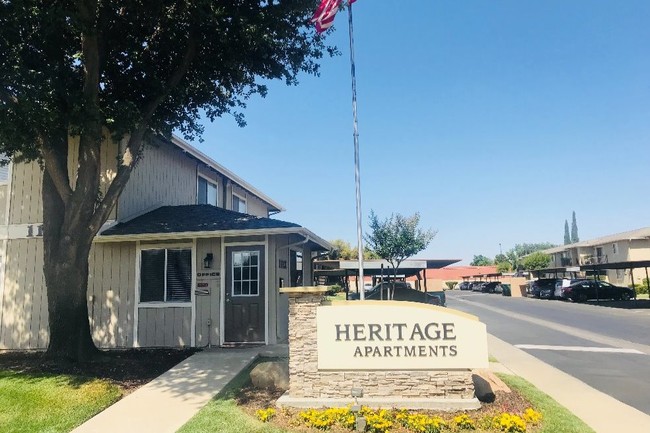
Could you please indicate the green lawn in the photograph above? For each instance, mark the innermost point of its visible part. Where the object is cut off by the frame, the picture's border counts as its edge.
(224, 416)
(556, 418)
(50, 403)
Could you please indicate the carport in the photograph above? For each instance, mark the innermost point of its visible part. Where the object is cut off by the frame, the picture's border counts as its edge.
(378, 269)
(631, 265)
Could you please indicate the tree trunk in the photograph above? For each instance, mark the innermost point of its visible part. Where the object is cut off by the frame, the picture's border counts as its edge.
(66, 278)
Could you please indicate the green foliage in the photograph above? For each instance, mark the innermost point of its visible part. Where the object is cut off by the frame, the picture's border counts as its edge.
(515, 254)
(481, 260)
(641, 289)
(574, 229)
(536, 260)
(397, 238)
(232, 48)
(51, 403)
(567, 236)
(344, 251)
(504, 267)
(451, 284)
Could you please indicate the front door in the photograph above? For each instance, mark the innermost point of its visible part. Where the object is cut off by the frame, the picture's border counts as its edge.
(244, 295)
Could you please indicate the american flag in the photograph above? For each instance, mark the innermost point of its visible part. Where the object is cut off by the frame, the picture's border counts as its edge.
(324, 15)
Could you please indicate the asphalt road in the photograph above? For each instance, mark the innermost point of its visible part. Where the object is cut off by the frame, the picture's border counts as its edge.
(607, 348)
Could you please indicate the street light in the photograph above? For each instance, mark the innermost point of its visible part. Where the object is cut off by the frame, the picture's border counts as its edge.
(500, 252)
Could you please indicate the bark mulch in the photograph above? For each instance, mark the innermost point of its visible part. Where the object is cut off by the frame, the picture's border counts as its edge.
(250, 399)
(128, 369)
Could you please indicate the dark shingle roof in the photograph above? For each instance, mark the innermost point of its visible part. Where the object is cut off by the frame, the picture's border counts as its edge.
(193, 218)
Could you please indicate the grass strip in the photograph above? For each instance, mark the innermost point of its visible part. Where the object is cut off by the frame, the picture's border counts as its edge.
(51, 403)
(555, 418)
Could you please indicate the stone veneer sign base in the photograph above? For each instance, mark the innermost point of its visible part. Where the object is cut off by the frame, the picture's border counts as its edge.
(399, 354)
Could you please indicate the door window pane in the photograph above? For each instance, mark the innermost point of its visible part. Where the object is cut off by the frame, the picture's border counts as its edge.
(245, 273)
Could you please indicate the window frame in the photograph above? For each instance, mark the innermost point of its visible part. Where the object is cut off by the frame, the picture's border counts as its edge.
(209, 182)
(258, 265)
(241, 200)
(164, 303)
(8, 169)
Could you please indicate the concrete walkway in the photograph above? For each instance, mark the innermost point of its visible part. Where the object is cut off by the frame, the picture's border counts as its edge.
(169, 401)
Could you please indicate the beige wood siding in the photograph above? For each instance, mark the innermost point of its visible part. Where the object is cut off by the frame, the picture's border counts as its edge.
(26, 205)
(254, 206)
(111, 293)
(639, 250)
(3, 203)
(278, 320)
(164, 327)
(208, 306)
(164, 176)
(23, 321)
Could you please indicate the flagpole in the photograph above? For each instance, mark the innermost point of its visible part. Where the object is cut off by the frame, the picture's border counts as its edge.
(357, 174)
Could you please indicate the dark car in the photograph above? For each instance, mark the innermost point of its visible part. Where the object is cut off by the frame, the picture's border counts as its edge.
(465, 285)
(582, 291)
(543, 288)
(490, 287)
(562, 284)
(476, 286)
(404, 292)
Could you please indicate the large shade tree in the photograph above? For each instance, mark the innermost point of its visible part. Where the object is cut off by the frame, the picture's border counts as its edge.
(130, 70)
(397, 238)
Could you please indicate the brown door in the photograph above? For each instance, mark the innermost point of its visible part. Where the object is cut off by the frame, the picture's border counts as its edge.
(244, 297)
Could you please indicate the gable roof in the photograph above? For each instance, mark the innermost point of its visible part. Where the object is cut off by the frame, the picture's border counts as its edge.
(194, 152)
(201, 220)
(642, 233)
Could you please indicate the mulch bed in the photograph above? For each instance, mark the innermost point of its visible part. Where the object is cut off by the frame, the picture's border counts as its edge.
(251, 399)
(128, 369)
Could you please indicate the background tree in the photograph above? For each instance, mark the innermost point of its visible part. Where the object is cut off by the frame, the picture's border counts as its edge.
(397, 238)
(344, 251)
(516, 253)
(574, 229)
(567, 236)
(128, 70)
(504, 267)
(536, 260)
(481, 260)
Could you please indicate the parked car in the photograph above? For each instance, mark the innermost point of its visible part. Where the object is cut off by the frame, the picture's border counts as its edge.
(465, 285)
(562, 284)
(542, 288)
(490, 287)
(367, 287)
(404, 292)
(584, 290)
(476, 285)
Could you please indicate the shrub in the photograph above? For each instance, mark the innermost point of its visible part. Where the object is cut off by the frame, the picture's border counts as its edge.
(451, 284)
(379, 421)
(333, 290)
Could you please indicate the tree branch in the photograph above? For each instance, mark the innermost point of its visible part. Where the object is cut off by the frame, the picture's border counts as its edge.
(133, 150)
(57, 172)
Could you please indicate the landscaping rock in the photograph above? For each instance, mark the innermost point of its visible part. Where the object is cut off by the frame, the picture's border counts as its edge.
(482, 389)
(271, 375)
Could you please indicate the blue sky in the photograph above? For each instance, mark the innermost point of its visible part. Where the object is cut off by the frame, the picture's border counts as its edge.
(493, 119)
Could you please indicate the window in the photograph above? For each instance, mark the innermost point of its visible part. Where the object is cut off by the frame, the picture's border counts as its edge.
(614, 248)
(166, 275)
(4, 169)
(238, 204)
(245, 273)
(206, 192)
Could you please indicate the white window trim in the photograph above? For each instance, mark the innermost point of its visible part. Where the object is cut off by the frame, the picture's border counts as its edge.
(163, 304)
(232, 279)
(240, 198)
(211, 181)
